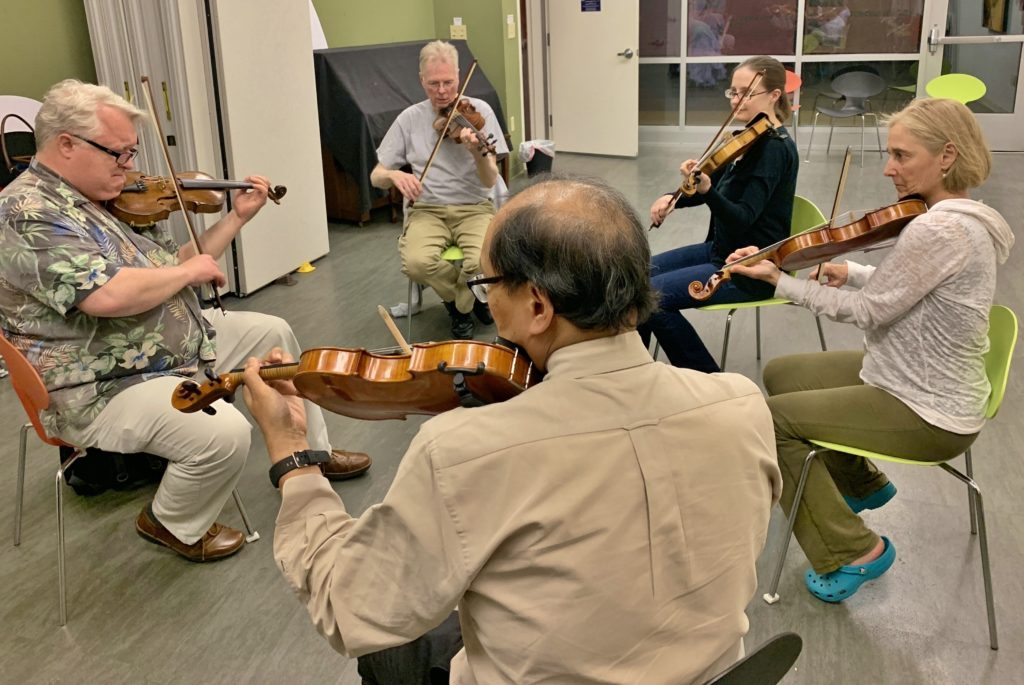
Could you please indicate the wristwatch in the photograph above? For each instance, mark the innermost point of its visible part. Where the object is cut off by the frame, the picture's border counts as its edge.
(297, 461)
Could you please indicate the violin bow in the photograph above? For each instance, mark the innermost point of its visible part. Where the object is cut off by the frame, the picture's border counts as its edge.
(840, 189)
(193, 236)
(397, 334)
(447, 123)
(714, 140)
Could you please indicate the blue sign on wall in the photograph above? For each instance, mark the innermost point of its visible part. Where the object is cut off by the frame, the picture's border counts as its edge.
(590, 5)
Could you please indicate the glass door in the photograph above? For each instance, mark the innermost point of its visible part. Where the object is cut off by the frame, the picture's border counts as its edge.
(982, 38)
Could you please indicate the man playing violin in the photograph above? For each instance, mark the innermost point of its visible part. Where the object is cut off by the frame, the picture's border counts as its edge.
(109, 318)
(586, 528)
(452, 206)
(751, 203)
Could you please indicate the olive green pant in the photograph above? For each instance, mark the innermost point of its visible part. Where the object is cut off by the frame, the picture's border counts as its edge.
(429, 230)
(820, 396)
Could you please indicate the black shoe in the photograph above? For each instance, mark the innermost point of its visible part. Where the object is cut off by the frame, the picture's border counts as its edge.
(462, 324)
(482, 313)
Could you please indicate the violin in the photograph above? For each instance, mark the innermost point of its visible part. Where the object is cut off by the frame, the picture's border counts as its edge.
(362, 384)
(464, 116)
(822, 243)
(147, 199)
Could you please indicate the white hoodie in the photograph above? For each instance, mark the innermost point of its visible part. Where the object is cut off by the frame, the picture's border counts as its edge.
(924, 311)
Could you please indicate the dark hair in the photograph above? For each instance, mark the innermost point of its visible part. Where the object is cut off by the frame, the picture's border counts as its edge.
(774, 79)
(586, 250)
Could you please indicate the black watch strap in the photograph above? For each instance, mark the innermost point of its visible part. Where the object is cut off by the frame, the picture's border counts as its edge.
(297, 461)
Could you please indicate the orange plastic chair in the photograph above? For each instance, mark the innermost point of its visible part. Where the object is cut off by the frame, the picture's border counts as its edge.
(793, 83)
(34, 398)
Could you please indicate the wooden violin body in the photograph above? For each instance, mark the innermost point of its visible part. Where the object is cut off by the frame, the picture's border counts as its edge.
(465, 116)
(147, 199)
(728, 149)
(360, 384)
(821, 244)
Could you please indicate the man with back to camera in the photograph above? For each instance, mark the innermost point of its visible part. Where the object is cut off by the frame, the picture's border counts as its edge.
(597, 528)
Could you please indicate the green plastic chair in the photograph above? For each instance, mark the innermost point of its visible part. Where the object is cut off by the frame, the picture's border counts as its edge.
(1002, 336)
(453, 254)
(961, 87)
(805, 217)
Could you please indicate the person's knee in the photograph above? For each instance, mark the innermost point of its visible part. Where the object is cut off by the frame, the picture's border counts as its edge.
(419, 267)
(772, 376)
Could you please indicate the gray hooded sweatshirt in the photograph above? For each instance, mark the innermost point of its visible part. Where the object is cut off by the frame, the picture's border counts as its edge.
(924, 311)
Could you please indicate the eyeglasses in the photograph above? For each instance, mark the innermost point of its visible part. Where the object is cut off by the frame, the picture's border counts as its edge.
(438, 85)
(122, 157)
(480, 284)
(732, 93)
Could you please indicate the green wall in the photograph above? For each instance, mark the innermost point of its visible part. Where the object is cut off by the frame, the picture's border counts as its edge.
(358, 22)
(42, 42)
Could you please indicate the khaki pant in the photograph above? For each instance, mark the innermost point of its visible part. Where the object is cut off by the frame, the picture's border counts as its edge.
(429, 230)
(820, 396)
(206, 453)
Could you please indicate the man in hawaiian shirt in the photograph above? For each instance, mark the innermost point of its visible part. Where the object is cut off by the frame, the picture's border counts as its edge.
(110, 319)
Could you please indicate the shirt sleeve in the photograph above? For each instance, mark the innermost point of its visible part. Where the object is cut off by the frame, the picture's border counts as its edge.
(57, 264)
(380, 580)
(858, 274)
(393, 152)
(922, 258)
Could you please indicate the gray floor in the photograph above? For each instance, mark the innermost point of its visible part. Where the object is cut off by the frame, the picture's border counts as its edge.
(138, 614)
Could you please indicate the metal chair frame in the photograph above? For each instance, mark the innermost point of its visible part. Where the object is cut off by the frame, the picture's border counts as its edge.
(857, 103)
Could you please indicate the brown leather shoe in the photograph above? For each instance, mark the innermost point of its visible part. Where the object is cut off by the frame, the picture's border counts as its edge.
(344, 465)
(219, 542)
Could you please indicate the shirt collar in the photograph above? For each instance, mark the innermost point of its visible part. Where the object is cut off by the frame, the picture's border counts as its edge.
(601, 355)
(51, 176)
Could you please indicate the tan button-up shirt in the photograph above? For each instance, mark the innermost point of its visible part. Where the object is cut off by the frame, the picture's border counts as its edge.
(601, 527)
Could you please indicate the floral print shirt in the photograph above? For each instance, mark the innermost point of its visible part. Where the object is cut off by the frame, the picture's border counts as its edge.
(57, 248)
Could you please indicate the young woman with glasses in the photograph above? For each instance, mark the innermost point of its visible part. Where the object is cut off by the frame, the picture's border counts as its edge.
(751, 202)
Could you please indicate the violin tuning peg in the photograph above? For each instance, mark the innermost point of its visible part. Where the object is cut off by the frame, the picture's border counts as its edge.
(230, 399)
(208, 372)
(209, 410)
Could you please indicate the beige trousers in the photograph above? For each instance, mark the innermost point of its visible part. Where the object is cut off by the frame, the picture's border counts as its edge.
(206, 453)
(429, 230)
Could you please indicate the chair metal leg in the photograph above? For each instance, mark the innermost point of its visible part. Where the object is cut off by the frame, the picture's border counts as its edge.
(408, 320)
(810, 141)
(986, 570)
(970, 492)
(862, 117)
(19, 489)
(757, 317)
(831, 130)
(725, 343)
(253, 535)
(878, 135)
(61, 575)
(821, 334)
(772, 596)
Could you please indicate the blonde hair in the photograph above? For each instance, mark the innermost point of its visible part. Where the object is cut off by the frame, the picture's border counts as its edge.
(71, 107)
(774, 79)
(439, 51)
(937, 121)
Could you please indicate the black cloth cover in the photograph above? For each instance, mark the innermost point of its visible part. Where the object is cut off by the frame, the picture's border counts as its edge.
(361, 91)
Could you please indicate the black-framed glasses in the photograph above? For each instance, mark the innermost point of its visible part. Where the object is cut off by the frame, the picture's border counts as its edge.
(480, 284)
(122, 157)
(732, 93)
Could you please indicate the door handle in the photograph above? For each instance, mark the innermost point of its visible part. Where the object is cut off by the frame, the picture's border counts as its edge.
(627, 53)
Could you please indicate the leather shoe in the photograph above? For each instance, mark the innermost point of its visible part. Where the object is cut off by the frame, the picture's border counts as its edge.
(462, 324)
(218, 543)
(482, 313)
(344, 465)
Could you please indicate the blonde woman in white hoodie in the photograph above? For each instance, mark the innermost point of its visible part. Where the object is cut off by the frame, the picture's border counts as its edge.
(918, 389)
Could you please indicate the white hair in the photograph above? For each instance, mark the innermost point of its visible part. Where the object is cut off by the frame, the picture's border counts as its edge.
(71, 107)
(439, 51)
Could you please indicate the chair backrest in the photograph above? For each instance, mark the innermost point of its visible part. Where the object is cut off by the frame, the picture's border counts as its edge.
(857, 87)
(793, 81)
(766, 665)
(1002, 338)
(28, 386)
(961, 87)
(805, 215)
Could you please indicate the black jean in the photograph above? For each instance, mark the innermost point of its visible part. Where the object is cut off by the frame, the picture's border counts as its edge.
(424, 661)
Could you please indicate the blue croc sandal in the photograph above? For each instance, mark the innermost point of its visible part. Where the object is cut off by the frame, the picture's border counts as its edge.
(875, 500)
(845, 581)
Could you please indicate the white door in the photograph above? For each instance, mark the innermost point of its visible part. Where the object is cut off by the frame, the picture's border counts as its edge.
(959, 41)
(594, 75)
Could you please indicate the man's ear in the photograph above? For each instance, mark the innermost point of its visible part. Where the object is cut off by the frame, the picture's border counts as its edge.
(542, 312)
